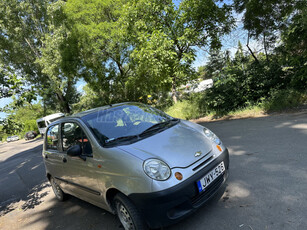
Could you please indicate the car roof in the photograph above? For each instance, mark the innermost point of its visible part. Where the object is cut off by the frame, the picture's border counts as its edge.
(84, 113)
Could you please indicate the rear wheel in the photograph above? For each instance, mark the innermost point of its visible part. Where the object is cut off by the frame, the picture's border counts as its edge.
(128, 214)
(59, 194)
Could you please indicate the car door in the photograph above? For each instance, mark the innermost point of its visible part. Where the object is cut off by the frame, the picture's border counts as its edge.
(54, 157)
(80, 173)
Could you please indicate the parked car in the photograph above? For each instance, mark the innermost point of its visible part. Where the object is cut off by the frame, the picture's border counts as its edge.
(135, 161)
(43, 122)
(30, 135)
(15, 138)
(12, 138)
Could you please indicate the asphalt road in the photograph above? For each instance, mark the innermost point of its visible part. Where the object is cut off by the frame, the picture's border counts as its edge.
(266, 188)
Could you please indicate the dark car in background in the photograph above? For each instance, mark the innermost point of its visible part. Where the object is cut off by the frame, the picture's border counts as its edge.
(30, 135)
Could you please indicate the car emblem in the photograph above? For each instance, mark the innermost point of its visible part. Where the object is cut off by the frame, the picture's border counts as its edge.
(198, 154)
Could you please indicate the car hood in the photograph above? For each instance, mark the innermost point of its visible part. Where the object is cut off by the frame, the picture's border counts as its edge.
(176, 146)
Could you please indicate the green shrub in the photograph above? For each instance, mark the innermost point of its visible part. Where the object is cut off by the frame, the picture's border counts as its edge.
(30, 125)
(192, 107)
(284, 99)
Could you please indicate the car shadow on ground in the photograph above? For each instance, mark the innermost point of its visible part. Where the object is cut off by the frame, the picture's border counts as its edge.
(22, 179)
(73, 214)
(33, 140)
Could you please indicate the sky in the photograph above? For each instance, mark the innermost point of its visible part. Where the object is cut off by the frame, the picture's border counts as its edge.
(4, 102)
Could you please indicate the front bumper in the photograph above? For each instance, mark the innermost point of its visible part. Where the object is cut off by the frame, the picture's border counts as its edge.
(171, 205)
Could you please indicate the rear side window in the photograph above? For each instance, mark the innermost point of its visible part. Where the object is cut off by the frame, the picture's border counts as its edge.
(72, 134)
(41, 124)
(52, 137)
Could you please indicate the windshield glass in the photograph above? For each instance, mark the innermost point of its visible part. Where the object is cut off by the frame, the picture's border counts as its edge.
(124, 122)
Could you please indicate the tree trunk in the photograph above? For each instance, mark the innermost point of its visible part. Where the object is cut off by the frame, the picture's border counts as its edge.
(63, 102)
(123, 76)
(250, 50)
(174, 90)
(265, 48)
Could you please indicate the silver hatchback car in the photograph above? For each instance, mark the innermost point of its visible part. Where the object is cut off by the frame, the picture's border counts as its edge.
(135, 161)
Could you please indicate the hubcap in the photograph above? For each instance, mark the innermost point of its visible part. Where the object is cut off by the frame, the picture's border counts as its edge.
(125, 217)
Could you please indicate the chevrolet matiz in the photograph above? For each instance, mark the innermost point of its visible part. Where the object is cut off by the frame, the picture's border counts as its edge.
(135, 161)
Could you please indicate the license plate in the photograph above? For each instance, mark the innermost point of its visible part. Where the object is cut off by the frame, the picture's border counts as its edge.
(210, 177)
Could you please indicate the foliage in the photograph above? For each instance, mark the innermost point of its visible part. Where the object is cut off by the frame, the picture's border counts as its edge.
(35, 44)
(11, 127)
(30, 125)
(90, 99)
(9, 82)
(104, 46)
(265, 19)
(293, 50)
(191, 107)
(21, 119)
(284, 99)
(141, 50)
(166, 37)
(134, 48)
(183, 110)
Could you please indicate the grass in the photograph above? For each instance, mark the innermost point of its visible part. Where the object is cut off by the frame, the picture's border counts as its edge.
(279, 101)
(284, 100)
(248, 111)
(184, 110)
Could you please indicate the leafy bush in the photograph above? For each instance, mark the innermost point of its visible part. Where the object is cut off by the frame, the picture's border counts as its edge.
(184, 110)
(192, 107)
(30, 125)
(284, 99)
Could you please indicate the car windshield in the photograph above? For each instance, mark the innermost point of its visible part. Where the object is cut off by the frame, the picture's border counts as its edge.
(127, 123)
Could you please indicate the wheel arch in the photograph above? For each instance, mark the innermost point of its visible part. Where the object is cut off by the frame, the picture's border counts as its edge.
(48, 175)
(110, 194)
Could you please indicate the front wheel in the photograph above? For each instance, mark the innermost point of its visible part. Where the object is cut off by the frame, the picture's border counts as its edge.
(60, 195)
(128, 214)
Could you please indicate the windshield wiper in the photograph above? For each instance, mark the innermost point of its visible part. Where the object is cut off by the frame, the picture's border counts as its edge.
(160, 125)
(124, 138)
(155, 127)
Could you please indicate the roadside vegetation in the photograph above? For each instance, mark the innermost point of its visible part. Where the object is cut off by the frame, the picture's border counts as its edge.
(144, 51)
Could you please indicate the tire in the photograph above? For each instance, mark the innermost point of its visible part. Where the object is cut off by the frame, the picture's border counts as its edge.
(59, 194)
(127, 213)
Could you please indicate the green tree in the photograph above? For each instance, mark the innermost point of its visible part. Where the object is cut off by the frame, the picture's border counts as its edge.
(166, 37)
(293, 49)
(91, 99)
(105, 48)
(264, 19)
(22, 118)
(34, 43)
(134, 48)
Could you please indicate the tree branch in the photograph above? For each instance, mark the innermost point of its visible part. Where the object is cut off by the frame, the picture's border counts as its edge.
(256, 59)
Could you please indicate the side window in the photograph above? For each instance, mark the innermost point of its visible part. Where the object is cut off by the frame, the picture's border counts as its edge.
(72, 134)
(52, 137)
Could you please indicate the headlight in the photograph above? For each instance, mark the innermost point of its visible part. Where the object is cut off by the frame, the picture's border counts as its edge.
(212, 136)
(157, 169)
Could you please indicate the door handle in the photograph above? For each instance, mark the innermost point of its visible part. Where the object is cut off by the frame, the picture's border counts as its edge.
(64, 160)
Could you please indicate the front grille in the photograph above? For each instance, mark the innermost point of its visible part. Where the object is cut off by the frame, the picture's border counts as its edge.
(203, 163)
(202, 197)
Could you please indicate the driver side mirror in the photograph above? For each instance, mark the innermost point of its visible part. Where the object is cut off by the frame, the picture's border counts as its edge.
(76, 151)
